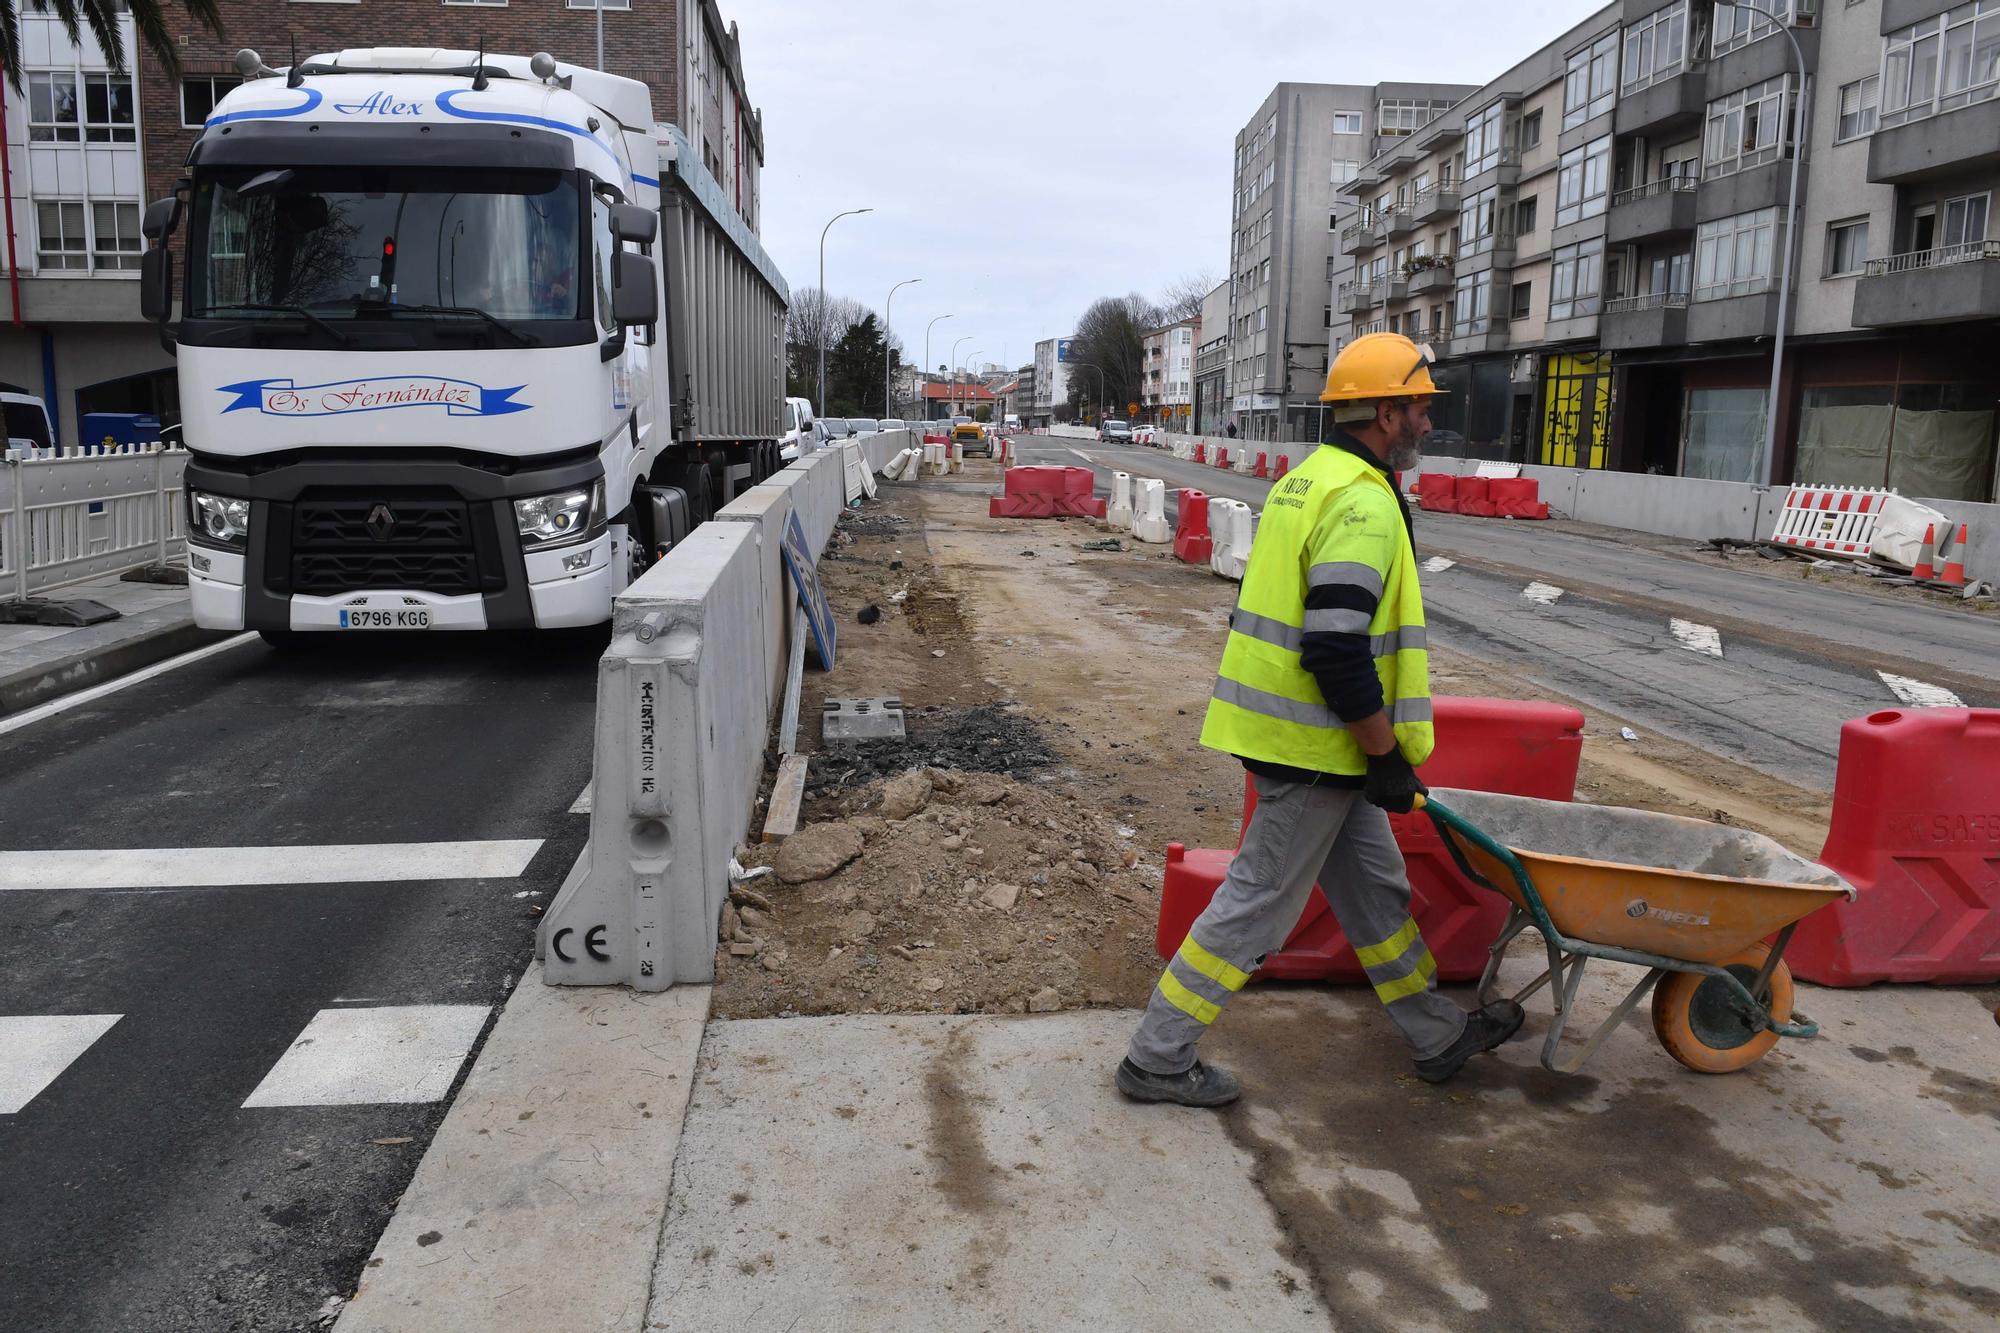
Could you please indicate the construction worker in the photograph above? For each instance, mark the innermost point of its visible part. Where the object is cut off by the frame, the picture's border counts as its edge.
(1324, 695)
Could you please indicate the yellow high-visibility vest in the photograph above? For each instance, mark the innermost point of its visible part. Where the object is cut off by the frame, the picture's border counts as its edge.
(1333, 519)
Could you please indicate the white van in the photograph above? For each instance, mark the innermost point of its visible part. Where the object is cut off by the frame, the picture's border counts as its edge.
(1012, 422)
(797, 423)
(27, 420)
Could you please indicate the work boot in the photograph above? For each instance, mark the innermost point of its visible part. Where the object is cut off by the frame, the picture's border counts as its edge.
(1199, 1085)
(1484, 1029)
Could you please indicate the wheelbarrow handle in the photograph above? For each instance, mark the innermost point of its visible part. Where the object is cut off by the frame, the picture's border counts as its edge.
(1451, 825)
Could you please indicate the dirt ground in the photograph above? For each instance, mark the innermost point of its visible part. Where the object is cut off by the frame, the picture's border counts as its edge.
(1053, 698)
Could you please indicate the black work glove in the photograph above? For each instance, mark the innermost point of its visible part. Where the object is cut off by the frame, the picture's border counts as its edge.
(1392, 783)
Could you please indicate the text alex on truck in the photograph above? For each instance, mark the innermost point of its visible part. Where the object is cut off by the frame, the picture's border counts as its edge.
(466, 342)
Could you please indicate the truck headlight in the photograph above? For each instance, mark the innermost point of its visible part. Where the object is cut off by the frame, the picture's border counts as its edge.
(566, 516)
(219, 520)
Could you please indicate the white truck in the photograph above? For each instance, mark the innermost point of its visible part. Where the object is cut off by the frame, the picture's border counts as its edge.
(466, 342)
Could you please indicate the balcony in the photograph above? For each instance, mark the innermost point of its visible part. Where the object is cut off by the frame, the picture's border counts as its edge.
(1354, 298)
(1668, 103)
(1401, 222)
(1658, 319)
(1950, 143)
(1766, 185)
(1664, 207)
(1361, 237)
(1476, 337)
(1439, 201)
(1485, 252)
(1726, 318)
(1503, 169)
(1951, 283)
(1437, 278)
(1392, 288)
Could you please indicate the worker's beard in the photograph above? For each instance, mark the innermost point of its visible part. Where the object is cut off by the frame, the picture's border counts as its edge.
(1407, 455)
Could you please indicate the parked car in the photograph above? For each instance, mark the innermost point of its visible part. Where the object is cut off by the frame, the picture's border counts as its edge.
(1145, 435)
(971, 438)
(863, 426)
(887, 424)
(831, 430)
(1115, 430)
(798, 427)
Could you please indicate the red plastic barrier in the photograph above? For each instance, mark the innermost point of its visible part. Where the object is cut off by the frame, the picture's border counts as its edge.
(1523, 509)
(1263, 468)
(1200, 452)
(1284, 465)
(1473, 495)
(1222, 458)
(1434, 492)
(1916, 828)
(1192, 540)
(1503, 745)
(1046, 492)
(1505, 489)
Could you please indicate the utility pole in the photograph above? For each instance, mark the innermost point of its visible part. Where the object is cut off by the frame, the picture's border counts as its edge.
(887, 306)
(927, 343)
(820, 406)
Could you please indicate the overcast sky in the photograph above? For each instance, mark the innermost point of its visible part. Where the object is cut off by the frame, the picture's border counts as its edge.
(1025, 159)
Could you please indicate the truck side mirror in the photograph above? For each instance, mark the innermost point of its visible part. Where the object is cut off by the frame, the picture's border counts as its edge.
(640, 226)
(156, 284)
(161, 217)
(635, 298)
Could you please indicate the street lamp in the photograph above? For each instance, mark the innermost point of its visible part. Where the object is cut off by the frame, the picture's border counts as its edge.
(1800, 129)
(887, 306)
(1103, 393)
(820, 406)
(953, 362)
(927, 342)
(971, 405)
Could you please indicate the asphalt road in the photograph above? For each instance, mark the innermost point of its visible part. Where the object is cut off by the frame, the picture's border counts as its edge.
(1790, 660)
(242, 1053)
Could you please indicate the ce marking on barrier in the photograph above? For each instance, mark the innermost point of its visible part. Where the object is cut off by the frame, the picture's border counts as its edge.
(593, 944)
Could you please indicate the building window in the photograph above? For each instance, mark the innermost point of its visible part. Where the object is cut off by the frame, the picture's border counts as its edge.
(1523, 303)
(592, 4)
(52, 107)
(108, 109)
(1396, 117)
(1576, 279)
(1655, 47)
(1941, 63)
(60, 239)
(1590, 81)
(1747, 128)
(1345, 169)
(1531, 130)
(1857, 108)
(1525, 215)
(494, 3)
(1735, 26)
(1479, 221)
(1734, 256)
(1965, 220)
(115, 243)
(1724, 438)
(1846, 247)
(1583, 182)
(1483, 139)
(200, 93)
(1347, 122)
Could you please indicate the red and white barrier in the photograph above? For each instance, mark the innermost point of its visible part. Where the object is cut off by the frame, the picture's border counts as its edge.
(1831, 520)
(1193, 543)
(1046, 492)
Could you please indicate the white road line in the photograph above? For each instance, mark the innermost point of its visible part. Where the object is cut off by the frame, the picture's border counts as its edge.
(1080, 454)
(35, 1049)
(208, 867)
(1438, 564)
(582, 804)
(1697, 638)
(1917, 694)
(1542, 594)
(351, 1057)
(96, 692)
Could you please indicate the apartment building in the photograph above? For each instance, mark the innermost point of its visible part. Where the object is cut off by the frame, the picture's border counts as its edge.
(1303, 142)
(1211, 363)
(1595, 243)
(1166, 370)
(1051, 381)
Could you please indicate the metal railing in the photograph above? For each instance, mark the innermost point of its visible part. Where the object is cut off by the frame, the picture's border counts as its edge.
(1971, 252)
(1664, 185)
(72, 516)
(1368, 231)
(1625, 305)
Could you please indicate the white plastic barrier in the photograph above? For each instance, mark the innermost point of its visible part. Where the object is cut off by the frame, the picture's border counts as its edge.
(934, 464)
(1118, 514)
(903, 460)
(1233, 525)
(1897, 537)
(1149, 523)
(1242, 460)
(75, 515)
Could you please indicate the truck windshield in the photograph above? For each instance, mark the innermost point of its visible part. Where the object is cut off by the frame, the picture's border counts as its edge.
(345, 243)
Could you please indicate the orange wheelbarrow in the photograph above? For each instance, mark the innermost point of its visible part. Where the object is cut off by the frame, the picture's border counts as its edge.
(1693, 903)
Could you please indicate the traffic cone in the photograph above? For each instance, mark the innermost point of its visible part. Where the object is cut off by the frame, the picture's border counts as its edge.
(1927, 562)
(1954, 568)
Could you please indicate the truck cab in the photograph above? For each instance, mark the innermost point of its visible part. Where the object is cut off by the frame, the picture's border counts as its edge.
(425, 373)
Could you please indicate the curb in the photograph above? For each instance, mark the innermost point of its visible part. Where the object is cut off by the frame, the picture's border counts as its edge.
(118, 653)
(540, 1201)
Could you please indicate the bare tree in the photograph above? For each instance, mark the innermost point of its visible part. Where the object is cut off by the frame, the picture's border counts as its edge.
(815, 320)
(1109, 342)
(1183, 297)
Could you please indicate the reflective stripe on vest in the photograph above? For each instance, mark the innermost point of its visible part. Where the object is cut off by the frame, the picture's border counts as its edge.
(1266, 705)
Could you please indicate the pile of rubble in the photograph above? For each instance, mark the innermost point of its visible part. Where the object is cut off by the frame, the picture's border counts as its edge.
(941, 891)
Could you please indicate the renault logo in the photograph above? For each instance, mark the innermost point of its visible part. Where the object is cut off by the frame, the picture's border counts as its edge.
(381, 523)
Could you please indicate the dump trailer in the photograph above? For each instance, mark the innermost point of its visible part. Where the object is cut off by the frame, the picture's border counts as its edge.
(466, 341)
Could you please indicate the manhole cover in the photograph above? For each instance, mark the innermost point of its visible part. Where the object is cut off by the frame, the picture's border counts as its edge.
(861, 720)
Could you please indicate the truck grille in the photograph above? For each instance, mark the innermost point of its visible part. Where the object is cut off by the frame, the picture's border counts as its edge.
(391, 538)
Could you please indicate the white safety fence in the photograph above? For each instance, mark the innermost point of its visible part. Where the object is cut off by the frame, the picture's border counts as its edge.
(74, 516)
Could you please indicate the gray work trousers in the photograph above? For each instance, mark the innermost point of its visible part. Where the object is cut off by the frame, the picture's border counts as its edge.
(1300, 835)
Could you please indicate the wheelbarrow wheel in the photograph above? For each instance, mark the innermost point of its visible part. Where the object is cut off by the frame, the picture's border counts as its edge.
(1703, 1023)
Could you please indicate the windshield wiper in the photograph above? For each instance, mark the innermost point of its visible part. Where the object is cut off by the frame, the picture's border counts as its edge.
(299, 310)
(520, 339)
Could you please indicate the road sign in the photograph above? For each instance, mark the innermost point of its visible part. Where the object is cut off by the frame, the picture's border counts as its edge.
(805, 576)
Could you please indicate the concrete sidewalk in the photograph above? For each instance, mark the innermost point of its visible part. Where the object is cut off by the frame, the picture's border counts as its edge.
(40, 662)
(881, 1172)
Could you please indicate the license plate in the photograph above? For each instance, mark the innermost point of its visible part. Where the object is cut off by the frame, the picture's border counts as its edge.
(420, 618)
